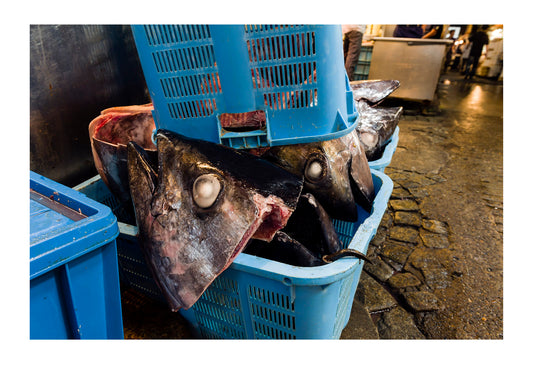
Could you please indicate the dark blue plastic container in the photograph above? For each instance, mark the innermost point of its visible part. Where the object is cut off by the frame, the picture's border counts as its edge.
(74, 282)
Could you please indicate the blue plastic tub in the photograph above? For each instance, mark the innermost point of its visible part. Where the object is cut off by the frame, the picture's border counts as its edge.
(362, 68)
(386, 158)
(74, 282)
(366, 54)
(197, 74)
(256, 298)
(363, 64)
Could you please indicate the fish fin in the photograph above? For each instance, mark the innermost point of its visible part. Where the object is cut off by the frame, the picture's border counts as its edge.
(345, 253)
(284, 249)
(373, 91)
(141, 174)
(361, 179)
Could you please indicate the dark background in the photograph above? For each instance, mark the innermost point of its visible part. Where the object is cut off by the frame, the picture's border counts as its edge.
(76, 71)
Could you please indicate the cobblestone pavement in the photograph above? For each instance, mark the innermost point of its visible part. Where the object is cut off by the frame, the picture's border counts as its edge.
(438, 253)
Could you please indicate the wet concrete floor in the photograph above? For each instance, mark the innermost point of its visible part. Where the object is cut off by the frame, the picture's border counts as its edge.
(449, 161)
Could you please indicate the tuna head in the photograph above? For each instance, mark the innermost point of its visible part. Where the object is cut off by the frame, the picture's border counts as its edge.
(201, 207)
(109, 134)
(373, 91)
(375, 127)
(335, 171)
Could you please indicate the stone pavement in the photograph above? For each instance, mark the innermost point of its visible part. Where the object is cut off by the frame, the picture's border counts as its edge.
(438, 253)
(411, 260)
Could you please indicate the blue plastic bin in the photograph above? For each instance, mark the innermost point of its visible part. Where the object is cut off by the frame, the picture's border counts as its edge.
(198, 73)
(363, 64)
(386, 158)
(74, 282)
(256, 298)
(366, 54)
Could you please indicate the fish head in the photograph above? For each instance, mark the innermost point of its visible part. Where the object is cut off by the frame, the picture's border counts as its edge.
(373, 91)
(335, 171)
(376, 126)
(200, 209)
(109, 134)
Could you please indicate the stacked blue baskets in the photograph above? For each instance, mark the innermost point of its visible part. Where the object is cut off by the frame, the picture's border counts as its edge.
(292, 74)
(293, 77)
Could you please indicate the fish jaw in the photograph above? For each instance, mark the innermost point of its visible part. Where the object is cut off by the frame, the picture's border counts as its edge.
(361, 181)
(187, 247)
(311, 226)
(336, 195)
(354, 184)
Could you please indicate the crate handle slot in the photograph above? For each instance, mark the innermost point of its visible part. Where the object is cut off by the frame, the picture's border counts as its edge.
(243, 122)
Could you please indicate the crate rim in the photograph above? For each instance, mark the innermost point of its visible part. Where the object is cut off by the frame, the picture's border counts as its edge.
(103, 219)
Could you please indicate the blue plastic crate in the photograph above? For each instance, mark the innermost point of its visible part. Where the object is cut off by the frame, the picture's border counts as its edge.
(381, 163)
(357, 77)
(362, 68)
(198, 73)
(366, 54)
(256, 298)
(74, 284)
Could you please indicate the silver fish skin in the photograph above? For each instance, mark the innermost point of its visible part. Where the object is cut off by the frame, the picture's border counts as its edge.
(373, 91)
(335, 171)
(189, 240)
(375, 127)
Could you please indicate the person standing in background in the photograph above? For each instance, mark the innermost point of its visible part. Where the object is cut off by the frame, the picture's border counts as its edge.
(408, 31)
(450, 50)
(464, 56)
(432, 31)
(478, 39)
(353, 37)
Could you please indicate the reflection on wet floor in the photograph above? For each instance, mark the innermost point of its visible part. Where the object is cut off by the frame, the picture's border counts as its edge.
(474, 96)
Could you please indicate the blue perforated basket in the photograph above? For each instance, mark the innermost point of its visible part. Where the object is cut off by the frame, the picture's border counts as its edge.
(256, 298)
(197, 74)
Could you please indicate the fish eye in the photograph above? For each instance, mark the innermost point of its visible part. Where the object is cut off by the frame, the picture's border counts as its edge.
(369, 139)
(315, 169)
(205, 190)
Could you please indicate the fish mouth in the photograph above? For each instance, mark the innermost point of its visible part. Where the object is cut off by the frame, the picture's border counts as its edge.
(308, 236)
(272, 215)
